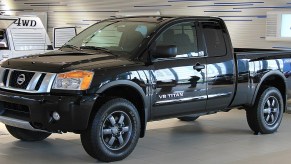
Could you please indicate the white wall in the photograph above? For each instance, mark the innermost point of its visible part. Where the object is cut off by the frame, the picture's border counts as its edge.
(245, 19)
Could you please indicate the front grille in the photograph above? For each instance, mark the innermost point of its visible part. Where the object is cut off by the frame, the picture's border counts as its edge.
(16, 107)
(14, 110)
(26, 81)
(20, 79)
(39, 81)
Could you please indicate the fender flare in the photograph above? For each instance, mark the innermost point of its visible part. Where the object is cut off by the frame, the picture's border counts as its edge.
(135, 86)
(121, 82)
(271, 73)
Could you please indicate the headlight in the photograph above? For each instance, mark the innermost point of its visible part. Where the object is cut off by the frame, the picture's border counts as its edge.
(74, 80)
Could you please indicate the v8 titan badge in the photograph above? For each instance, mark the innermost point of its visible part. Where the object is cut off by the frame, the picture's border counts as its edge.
(171, 95)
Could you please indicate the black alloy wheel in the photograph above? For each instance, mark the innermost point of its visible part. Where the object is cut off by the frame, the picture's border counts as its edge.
(116, 130)
(113, 131)
(266, 115)
(271, 110)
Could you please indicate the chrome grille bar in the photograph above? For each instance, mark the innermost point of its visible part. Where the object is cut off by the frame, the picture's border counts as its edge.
(45, 86)
(8, 78)
(1, 77)
(33, 82)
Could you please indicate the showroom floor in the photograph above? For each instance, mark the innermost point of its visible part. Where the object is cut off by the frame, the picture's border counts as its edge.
(217, 139)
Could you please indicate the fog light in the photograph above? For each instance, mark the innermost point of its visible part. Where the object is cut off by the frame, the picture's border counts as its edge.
(56, 116)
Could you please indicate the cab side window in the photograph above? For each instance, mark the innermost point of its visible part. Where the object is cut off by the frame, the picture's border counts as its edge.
(3, 40)
(183, 36)
(214, 40)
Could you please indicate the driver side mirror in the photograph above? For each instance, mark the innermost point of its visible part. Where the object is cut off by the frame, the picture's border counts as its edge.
(166, 51)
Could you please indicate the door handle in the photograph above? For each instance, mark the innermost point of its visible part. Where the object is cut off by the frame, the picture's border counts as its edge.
(198, 67)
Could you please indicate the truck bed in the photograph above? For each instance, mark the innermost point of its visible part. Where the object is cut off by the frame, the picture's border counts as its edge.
(262, 53)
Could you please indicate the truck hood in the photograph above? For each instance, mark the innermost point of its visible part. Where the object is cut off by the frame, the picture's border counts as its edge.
(59, 61)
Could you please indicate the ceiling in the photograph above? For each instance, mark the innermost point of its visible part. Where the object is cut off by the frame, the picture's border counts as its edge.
(245, 19)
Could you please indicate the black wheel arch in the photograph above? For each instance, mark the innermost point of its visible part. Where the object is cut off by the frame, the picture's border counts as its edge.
(141, 103)
(273, 78)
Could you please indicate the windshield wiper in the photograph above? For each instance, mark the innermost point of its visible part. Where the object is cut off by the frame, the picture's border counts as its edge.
(72, 47)
(96, 48)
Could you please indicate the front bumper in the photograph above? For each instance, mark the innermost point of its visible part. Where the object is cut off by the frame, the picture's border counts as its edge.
(37, 110)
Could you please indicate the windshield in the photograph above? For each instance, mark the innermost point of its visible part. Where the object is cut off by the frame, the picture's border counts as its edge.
(112, 36)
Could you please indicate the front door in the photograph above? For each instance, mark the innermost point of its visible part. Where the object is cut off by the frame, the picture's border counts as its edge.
(181, 80)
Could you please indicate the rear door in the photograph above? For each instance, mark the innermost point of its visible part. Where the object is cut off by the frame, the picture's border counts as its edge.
(220, 66)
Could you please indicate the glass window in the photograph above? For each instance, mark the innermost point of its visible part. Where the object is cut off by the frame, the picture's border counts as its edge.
(116, 36)
(214, 39)
(183, 36)
(107, 37)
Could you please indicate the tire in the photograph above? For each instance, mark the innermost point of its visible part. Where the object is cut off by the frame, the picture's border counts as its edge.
(113, 132)
(27, 135)
(266, 115)
(188, 118)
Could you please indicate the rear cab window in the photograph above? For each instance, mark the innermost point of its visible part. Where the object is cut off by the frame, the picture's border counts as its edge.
(214, 39)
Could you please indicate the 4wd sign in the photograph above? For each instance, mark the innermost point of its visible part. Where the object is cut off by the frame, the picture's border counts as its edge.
(26, 22)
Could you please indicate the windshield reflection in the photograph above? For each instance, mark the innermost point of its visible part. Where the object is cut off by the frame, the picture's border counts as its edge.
(121, 36)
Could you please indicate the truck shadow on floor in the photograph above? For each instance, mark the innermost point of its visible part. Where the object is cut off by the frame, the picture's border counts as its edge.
(62, 150)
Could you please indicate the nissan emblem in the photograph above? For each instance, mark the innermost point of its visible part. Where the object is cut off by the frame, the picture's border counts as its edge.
(20, 79)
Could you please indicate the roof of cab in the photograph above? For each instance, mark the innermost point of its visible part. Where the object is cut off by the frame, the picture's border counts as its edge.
(160, 18)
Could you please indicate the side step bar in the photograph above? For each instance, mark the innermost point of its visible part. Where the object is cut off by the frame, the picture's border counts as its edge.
(18, 123)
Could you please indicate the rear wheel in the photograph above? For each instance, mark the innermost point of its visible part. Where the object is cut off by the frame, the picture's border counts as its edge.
(266, 115)
(188, 118)
(113, 132)
(27, 135)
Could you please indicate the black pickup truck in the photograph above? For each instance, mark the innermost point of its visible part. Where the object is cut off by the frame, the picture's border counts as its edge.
(110, 80)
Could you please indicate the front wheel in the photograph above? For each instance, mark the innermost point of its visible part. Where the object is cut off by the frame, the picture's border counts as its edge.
(27, 135)
(113, 132)
(266, 115)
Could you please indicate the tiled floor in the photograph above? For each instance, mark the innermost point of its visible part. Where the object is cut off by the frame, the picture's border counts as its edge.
(220, 138)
